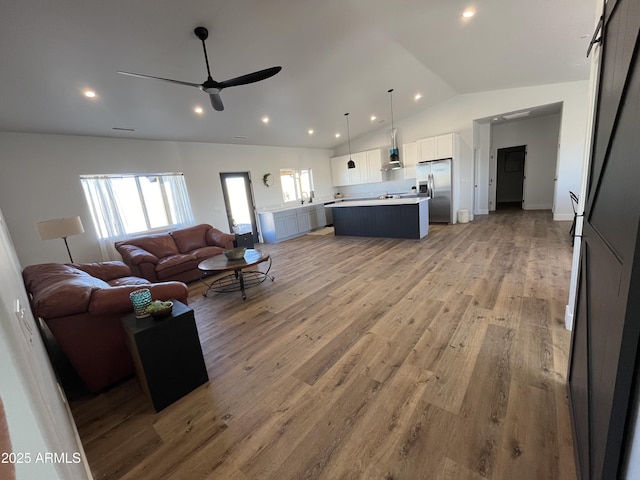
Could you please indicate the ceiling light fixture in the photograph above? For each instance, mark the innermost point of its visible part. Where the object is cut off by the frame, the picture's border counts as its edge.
(350, 163)
(417, 96)
(373, 118)
(198, 110)
(337, 135)
(90, 94)
(468, 13)
(265, 120)
(310, 131)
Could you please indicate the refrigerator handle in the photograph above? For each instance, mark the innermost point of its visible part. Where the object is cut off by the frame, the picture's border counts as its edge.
(431, 185)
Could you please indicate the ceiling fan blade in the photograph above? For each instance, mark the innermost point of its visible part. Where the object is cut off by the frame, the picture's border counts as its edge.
(250, 77)
(188, 84)
(216, 102)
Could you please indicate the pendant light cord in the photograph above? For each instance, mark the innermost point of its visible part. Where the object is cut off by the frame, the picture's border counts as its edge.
(391, 99)
(348, 135)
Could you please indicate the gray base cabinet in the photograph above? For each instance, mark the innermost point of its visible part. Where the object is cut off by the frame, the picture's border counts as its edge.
(291, 223)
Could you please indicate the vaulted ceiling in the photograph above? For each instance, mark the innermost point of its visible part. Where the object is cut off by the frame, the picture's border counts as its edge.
(336, 57)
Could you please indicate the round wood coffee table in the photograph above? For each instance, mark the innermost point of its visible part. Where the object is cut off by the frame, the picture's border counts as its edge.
(240, 279)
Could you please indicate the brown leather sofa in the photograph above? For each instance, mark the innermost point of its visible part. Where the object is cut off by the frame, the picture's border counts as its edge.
(174, 255)
(82, 304)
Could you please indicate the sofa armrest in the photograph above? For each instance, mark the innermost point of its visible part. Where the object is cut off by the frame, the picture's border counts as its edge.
(218, 238)
(134, 255)
(115, 300)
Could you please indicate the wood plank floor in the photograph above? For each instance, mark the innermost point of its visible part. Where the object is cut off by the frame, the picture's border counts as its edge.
(440, 358)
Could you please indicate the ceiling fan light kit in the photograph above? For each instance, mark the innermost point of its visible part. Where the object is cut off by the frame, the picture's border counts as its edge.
(210, 86)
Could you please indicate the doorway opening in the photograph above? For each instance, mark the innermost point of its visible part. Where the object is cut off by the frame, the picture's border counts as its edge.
(510, 178)
(239, 203)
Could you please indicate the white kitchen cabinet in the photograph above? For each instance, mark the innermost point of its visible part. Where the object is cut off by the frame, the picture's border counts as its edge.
(373, 165)
(291, 222)
(317, 217)
(367, 168)
(410, 159)
(434, 148)
(358, 175)
(303, 220)
(339, 171)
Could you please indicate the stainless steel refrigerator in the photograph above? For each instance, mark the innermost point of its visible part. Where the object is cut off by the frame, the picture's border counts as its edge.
(433, 178)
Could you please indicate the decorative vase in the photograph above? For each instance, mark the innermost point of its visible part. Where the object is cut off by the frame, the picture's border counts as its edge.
(141, 299)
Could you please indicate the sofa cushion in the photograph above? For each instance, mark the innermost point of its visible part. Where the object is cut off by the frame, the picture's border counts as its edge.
(178, 269)
(190, 238)
(160, 245)
(173, 261)
(104, 270)
(129, 281)
(206, 252)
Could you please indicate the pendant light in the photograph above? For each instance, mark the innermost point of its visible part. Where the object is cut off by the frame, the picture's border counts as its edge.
(350, 163)
(394, 154)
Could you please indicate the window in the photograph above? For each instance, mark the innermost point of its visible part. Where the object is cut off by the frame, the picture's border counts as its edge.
(128, 205)
(296, 184)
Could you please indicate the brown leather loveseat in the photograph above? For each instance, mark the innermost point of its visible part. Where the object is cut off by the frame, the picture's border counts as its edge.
(174, 255)
(82, 305)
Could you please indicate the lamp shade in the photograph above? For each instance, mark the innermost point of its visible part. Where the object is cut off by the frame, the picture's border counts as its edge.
(60, 228)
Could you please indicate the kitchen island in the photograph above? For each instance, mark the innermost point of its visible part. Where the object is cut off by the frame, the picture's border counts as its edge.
(388, 217)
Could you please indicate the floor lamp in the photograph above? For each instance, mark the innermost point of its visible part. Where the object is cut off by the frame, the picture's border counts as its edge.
(60, 228)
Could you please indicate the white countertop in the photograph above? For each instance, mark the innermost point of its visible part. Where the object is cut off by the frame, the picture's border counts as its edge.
(379, 201)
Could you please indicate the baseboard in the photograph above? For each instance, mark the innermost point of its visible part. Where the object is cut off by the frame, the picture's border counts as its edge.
(532, 206)
(568, 318)
(560, 217)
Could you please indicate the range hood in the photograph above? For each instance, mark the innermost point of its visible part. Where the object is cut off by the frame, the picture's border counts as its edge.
(394, 154)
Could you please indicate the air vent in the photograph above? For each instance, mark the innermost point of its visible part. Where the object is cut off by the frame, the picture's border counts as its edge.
(118, 129)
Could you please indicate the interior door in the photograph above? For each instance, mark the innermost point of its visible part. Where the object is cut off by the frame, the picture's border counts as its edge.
(510, 177)
(604, 352)
(238, 200)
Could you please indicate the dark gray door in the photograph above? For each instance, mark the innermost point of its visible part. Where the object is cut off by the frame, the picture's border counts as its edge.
(604, 352)
(510, 177)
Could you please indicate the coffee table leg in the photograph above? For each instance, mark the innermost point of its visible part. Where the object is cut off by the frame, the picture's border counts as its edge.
(241, 278)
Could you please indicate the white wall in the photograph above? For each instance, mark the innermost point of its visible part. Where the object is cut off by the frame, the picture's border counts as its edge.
(38, 417)
(459, 113)
(540, 135)
(40, 181)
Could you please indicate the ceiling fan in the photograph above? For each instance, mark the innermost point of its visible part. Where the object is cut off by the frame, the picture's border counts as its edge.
(210, 86)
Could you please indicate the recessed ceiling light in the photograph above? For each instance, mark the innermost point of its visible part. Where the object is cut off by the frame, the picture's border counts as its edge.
(417, 96)
(90, 94)
(337, 135)
(198, 110)
(310, 131)
(468, 13)
(265, 120)
(373, 118)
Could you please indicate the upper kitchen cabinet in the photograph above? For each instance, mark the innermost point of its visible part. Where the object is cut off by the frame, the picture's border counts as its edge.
(339, 170)
(434, 148)
(409, 159)
(367, 169)
(374, 164)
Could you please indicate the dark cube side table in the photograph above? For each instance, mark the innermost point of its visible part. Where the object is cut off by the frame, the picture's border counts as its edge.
(167, 354)
(244, 240)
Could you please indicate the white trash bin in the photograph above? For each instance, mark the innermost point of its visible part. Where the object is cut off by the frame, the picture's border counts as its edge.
(463, 216)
